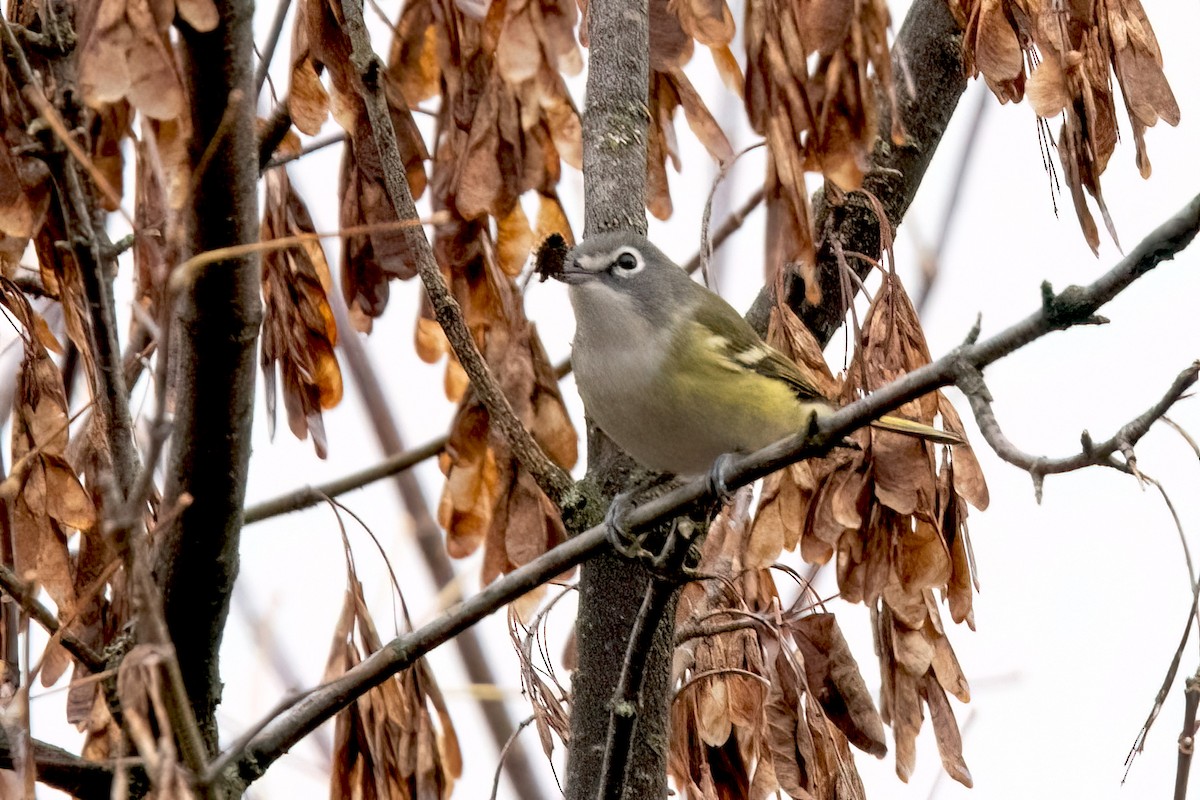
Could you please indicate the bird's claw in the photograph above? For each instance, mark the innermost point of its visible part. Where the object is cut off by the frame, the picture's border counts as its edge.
(717, 485)
(626, 543)
(668, 559)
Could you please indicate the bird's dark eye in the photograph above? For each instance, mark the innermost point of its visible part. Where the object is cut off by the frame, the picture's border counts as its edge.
(628, 262)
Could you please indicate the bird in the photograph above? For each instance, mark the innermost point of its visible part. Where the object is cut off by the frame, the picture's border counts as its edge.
(672, 373)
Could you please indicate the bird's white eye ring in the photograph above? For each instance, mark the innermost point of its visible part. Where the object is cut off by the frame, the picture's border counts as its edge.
(628, 262)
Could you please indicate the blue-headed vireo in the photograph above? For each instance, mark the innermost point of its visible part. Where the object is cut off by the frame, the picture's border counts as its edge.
(671, 372)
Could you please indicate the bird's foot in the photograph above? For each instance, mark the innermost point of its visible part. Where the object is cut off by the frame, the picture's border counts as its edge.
(669, 557)
(717, 486)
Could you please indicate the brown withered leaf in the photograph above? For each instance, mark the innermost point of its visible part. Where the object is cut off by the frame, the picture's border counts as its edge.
(919, 665)
(25, 187)
(834, 678)
(307, 101)
(24, 200)
(46, 500)
(552, 219)
(524, 522)
(472, 481)
(1137, 63)
(1081, 46)
(299, 332)
(813, 73)
(125, 52)
(670, 90)
(370, 260)
(319, 38)
(670, 45)
(788, 738)
(514, 241)
(993, 46)
(413, 60)
(110, 126)
(710, 22)
(945, 728)
(388, 743)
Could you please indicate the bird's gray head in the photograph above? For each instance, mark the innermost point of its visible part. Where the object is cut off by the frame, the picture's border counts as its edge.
(625, 264)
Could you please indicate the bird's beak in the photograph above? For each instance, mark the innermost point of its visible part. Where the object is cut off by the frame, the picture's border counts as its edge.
(572, 273)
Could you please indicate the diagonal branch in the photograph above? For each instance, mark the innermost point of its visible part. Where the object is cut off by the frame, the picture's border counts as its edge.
(1092, 453)
(277, 737)
(307, 496)
(26, 598)
(551, 478)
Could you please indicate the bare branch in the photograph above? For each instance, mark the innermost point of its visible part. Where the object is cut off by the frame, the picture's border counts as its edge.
(213, 351)
(1187, 739)
(400, 653)
(26, 597)
(552, 479)
(278, 124)
(626, 707)
(1092, 453)
(307, 496)
(268, 48)
(87, 780)
(311, 147)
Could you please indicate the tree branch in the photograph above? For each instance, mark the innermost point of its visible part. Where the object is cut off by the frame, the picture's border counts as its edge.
(277, 737)
(972, 384)
(26, 598)
(216, 323)
(86, 780)
(307, 496)
(400, 653)
(551, 478)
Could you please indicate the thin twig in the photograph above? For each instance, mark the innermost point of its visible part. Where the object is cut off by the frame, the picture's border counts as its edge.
(522, 725)
(25, 597)
(307, 496)
(551, 478)
(627, 697)
(931, 259)
(322, 703)
(1091, 453)
(706, 243)
(311, 147)
(273, 133)
(268, 48)
(1187, 739)
(217, 768)
(1139, 741)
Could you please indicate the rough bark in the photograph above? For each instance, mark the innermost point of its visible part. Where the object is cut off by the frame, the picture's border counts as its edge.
(611, 589)
(216, 324)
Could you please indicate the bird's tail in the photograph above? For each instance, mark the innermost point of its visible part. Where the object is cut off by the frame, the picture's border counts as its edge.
(912, 428)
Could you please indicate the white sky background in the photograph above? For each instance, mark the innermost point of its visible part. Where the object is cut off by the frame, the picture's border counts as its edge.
(1084, 597)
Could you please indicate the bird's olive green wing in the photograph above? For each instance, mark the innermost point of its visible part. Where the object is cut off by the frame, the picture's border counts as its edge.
(741, 348)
